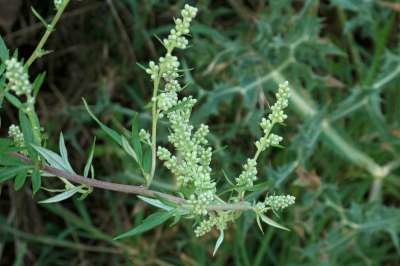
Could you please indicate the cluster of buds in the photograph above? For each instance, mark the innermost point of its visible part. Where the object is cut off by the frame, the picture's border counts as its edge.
(14, 132)
(167, 68)
(176, 37)
(267, 141)
(191, 162)
(220, 221)
(144, 136)
(153, 70)
(248, 175)
(276, 116)
(17, 77)
(191, 165)
(276, 203)
(167, 100)
(58, 3)
(170, 66)
(198, 204)
(282, 99)
(205, 226)
(279, 202)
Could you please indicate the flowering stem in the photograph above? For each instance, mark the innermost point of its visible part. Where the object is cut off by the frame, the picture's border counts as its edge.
(49, 29)
(259, 150)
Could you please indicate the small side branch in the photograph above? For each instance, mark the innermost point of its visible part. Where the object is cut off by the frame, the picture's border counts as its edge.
(130, 189)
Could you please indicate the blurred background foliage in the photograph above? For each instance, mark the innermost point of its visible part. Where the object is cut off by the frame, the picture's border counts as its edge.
(342, 59)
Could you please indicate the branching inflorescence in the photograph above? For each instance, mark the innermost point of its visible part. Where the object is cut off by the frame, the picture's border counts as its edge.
(189, 160)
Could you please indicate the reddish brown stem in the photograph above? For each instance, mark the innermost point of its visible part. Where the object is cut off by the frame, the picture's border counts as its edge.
(130, 189)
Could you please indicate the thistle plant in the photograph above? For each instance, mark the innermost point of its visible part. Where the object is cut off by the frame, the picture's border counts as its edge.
(188, 157)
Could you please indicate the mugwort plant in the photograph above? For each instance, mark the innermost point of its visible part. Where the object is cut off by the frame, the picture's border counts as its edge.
(188, 157)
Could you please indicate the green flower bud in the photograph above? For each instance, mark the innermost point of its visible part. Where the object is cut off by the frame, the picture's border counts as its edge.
(17, 77)
(248, 175)
(144, 136)
(58, 3)
(279, 202)
(16, 135)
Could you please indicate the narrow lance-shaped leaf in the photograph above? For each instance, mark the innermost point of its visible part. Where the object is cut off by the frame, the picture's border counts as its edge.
(36, 181)
(110, 132)
(64, 152)
(62, 196)
(219, 241)
(39, 17)
(20, 180)
(26, 128)
(156, 203)
(53, 159)
(89, 160)
(150, 222)
(137, 146)
(128, 148)
(37, 83)
(147, 160)
(259, 223)
(9, 172)
(3, 50)
(271, 222)
(13, 100)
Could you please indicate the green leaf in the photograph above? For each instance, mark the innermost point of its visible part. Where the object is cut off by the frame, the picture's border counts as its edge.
(147, 161)
(53, 159)
(271, 222)
(156, 203)
(137, 146)
(227, 178)
(27, 131)
(26, 128)
(110, 132)
(8, 160)
(41, 19)
(89, 160)
(127, 147)
(3, 50)
(6, 148)
(177, 218)
(64, 152)
(219, 241)
(259, 223)
(36, 180)
(7, 173)
(20, 180)
(2, 86)
(150, 222)
(37, 83)
(13, 100)
(62, 196)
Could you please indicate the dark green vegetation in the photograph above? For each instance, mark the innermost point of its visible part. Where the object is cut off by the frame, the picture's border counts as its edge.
(342, 59)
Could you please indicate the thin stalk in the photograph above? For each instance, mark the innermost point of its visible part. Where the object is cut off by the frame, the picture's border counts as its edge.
(130, 189)
(258, 152)
(34, 123)
(49, 29)
(154, 115)
(36, 54)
